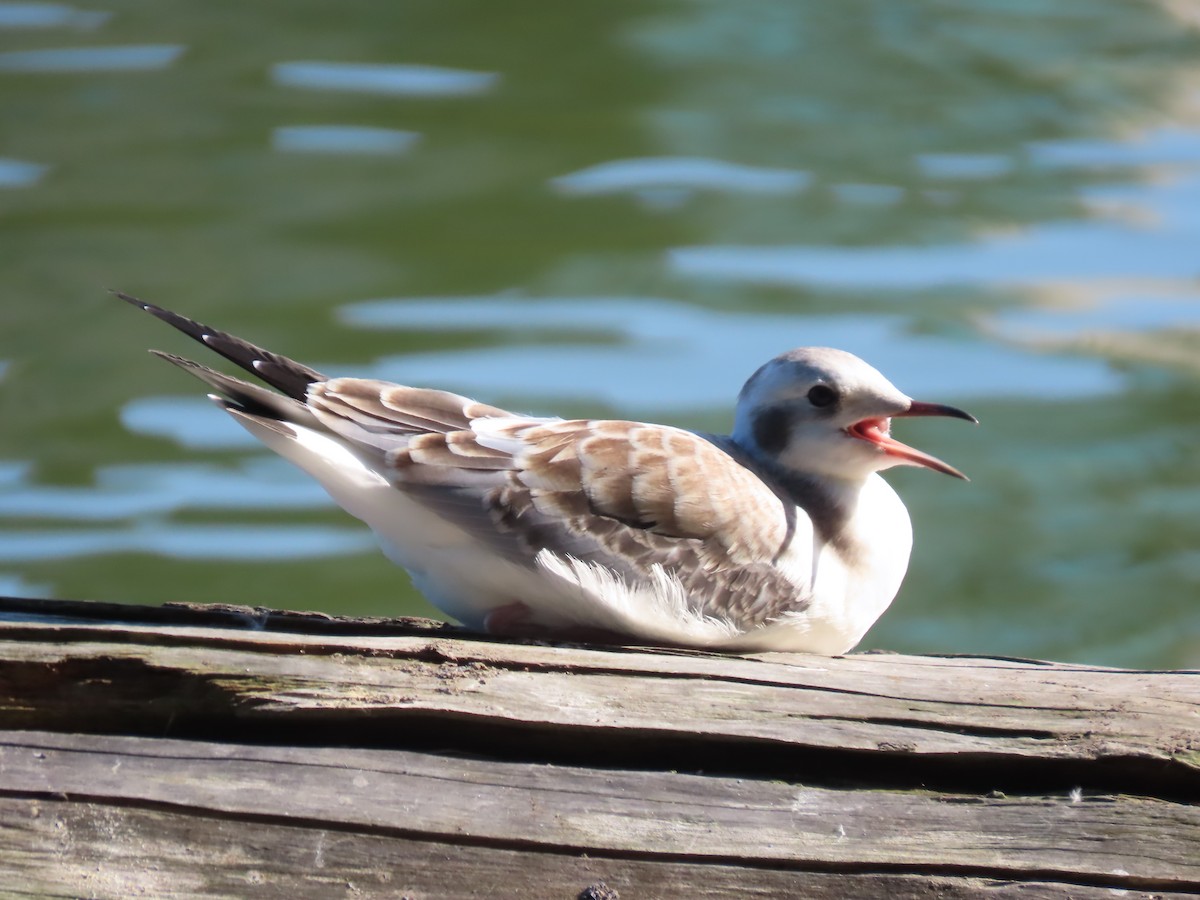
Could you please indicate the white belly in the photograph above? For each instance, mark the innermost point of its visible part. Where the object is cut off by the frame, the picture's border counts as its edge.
(848, 593)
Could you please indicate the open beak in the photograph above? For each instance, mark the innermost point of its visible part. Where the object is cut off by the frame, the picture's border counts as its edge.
(878, 432)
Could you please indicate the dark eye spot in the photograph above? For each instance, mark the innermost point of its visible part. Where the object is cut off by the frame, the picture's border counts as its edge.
(822, 395)
(771, 428)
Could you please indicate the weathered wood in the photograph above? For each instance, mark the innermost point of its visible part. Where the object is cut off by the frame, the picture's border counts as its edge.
(647, 814)
(85, 849)
(870, 775)
(897, 709)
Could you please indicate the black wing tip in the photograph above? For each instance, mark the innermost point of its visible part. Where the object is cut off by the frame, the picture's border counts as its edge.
(280, 372)
(140, 304)
(182, 361)
(128, 298)
(183, 323)
(201, 371)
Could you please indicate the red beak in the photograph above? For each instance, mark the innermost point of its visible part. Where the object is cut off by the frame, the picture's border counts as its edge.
(876, 431)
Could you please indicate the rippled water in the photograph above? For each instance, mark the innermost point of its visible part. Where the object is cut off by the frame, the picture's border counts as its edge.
(615, 210)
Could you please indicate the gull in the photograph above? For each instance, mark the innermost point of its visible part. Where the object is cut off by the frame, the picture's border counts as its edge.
(778, 536)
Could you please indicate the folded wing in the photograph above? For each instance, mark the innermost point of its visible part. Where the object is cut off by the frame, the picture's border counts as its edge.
(640, 501)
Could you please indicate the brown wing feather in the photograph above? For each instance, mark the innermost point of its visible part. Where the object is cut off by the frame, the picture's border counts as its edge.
(625, 495)
(384, 407)
(666, 481)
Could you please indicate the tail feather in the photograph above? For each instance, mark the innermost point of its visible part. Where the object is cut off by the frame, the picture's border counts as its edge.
(249, 398)
(259, 426)
(279, 372)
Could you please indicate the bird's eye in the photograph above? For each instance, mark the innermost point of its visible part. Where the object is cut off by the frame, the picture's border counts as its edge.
(822, 395)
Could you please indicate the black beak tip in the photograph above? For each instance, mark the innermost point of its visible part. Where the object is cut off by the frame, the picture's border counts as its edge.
(917, 408)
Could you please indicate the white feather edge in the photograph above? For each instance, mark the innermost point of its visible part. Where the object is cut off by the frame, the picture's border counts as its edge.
(656, 610)
(659, 610)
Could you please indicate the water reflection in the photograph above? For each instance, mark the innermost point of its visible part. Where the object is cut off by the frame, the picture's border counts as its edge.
(15, 586)
(642, 176)
(18, 173)
(187, 421)
(676, 356)
(963, 166)
(276, 541)
(13, 472)
(123, 492)
(135, 502)
(1066, 251)
(868, 194)
(1153, 147)
(396, 79)
(349, 139)
(92, 59)
(1083, 251)
(49, 15)
(1119, 315)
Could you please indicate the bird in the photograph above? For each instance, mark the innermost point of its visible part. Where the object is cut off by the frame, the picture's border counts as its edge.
(780, 536)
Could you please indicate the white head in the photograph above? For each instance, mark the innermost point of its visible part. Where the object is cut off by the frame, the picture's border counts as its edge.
(821, 411)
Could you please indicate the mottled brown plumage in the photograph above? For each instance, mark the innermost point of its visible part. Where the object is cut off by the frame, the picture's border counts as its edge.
(624, 495)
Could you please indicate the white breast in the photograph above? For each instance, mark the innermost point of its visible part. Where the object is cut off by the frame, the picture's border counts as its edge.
(851, 589)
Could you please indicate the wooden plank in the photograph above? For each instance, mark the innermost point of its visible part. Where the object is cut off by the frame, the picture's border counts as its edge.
(57, 848)
(143, 678)
(869, 775)
(1120, 842)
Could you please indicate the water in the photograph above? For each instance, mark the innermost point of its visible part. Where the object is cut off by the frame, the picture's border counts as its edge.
(622, 210)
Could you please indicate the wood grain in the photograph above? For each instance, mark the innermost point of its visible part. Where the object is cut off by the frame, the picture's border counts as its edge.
(229, 752)
(57, 848)
(1151, 843)
(158, 678)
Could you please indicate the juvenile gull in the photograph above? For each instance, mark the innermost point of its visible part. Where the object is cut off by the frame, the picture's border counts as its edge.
(780, 536)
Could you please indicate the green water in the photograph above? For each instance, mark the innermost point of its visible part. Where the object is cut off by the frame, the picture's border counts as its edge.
(994, 202)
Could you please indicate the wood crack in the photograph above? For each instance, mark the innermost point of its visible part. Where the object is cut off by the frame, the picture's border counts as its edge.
(1113, 881)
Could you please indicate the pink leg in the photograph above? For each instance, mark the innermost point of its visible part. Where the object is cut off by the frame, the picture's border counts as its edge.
(512, 620)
